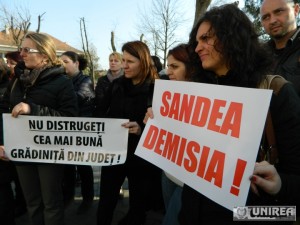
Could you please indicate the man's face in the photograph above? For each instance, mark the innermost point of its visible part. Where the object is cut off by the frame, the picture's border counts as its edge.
(278, 17)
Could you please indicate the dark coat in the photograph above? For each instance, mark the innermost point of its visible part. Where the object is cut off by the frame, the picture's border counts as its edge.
(287, 60)
(102, 86)
(285, 111)
(85, 94)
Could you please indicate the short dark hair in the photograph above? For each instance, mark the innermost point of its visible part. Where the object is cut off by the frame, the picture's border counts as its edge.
(14, 56)
(77, 58)
(157, 63)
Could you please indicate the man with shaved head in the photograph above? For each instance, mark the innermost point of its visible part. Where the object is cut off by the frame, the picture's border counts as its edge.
(279, 19)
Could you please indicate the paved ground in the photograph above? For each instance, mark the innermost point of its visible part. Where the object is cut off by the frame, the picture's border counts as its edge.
(89, 218)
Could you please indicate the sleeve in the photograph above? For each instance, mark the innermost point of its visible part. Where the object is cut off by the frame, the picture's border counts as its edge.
(103, 98)
(285, 111)
(86, 98)
(289, 193)
(101, 88)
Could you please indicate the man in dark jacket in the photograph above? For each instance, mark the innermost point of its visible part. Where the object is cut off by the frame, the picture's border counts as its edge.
(279, 19)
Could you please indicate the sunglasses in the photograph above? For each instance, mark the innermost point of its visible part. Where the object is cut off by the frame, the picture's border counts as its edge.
(28, 50)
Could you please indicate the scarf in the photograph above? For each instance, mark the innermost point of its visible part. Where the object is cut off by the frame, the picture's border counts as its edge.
(28, 77)
(111, 77)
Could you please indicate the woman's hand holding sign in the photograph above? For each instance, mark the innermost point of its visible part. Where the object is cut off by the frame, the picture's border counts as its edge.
(266, 177)
(2, 154)
(134, 127)
(21, 109)
(149, 114)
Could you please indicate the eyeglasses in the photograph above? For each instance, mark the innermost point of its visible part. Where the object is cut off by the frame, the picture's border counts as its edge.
(28, 50)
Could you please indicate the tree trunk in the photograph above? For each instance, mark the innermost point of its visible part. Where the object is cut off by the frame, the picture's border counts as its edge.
(201, 7)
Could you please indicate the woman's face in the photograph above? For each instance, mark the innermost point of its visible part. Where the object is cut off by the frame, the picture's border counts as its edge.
(114, 63)
(131, 67)
(32, 58)
(71, 67)
(11, 64)
(176, 69)
(210, 58)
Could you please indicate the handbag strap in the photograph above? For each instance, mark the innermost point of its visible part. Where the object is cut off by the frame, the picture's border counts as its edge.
(270, 154)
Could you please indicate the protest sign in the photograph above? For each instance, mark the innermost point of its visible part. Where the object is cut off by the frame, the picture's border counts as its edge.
(207, 136)
(66, 140)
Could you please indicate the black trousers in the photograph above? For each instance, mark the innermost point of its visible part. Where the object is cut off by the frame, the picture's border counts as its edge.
(140, 175)
(6, 204)
(87, 181)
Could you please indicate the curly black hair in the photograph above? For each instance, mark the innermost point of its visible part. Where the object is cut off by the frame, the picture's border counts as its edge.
(238, 43)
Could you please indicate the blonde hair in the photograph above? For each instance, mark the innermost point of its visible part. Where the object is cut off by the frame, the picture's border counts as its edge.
(117, 55)
(45, 45)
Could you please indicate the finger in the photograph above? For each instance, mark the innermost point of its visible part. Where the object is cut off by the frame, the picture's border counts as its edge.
(126, 125)
(254, 189)
(263, 163)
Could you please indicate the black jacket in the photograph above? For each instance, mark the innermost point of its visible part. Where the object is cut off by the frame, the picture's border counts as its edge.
(127, 101)
(85, 94)
(102, 86)
(287, 60)
(285, 111)
(52, 94)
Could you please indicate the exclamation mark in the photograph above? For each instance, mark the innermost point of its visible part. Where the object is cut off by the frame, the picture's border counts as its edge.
(119, 156)
(238, 175)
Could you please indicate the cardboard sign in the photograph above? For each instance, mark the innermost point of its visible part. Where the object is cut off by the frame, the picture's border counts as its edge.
(66, 140)
(207, 136)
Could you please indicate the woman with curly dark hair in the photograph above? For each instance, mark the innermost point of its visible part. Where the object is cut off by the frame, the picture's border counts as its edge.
(227, 51)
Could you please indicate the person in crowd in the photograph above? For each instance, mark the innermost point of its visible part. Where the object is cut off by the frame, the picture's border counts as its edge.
(127, 97)
(74, 65)
(180, 68)
(227, 51)
(279, 20)
(40, 88)
(159, 67)
(4, 77)
(114, 72)
(157, 63)
(7, 205)
(158, 206)
(12, 58)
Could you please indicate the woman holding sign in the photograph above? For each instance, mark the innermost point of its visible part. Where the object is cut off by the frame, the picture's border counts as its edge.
(227, 51)
(40, 88)
(180, 68)
(127, 98)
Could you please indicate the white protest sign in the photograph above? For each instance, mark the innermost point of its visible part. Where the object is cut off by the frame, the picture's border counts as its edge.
(207, 136)
(66, 140)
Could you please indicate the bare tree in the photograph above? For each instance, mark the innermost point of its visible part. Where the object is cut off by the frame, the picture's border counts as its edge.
(160, 24)
(89, 51)
(39, 22)
(18, 22)
(112, 41)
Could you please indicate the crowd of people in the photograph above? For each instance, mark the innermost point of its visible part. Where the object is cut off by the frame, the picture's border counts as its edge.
(223, 49)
